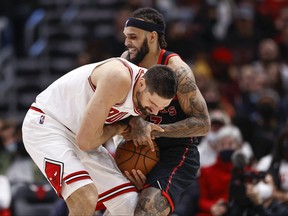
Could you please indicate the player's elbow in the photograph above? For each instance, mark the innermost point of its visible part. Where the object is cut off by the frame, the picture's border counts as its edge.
(83, 143)
(207, 125)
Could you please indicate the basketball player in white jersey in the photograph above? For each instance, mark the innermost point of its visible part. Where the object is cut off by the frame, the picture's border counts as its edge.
(65, 127)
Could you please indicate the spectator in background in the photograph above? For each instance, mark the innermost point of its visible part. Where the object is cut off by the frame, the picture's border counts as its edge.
(263, 203)
(207, 149)
(8, 145)
(224, 73)
(214, 98)
(282, 41)
(202, 70)
(269, 63)
(243, 35)
(276, 164)
(264, 124)
(214, 180)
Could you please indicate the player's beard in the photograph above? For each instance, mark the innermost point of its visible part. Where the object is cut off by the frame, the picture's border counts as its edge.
(142, 52)
(142, 109)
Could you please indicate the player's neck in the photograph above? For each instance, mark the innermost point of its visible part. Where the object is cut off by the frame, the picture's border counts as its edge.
(151, 58)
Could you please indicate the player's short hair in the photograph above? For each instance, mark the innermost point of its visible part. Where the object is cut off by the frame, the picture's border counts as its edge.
(161, 80)
(151, 15)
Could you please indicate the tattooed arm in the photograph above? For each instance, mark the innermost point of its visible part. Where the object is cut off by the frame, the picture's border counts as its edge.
(192, 103)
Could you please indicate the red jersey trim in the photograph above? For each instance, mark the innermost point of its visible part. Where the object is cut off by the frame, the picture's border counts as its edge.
(167, 58)
(114, 192)
(77, 176)
(169, 200)
(36, 109)
(160, 56)
(175, 170)
(91, 84)
(165, 194)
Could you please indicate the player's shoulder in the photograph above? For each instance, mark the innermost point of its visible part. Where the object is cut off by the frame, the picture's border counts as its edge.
(176, 62)
(113, 70)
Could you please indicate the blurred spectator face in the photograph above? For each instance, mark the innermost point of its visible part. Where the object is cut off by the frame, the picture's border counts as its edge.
(137, 43)
(212, 95)
(268, 50)
(267, 104)
(244, 19)
(282, 19)
(228, 140)
(218, 119)
(260, 82)
(247, 78)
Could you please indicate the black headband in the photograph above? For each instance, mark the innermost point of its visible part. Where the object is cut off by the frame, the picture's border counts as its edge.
(147, 26)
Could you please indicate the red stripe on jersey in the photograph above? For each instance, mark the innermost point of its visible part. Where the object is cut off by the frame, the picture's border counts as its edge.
(114, 192)
(160, 56)
(137, 77)
(36, 109)
(168, 57)
(128, 66)
(91, 84)
(169, 200)
(77, 176)
(175, 170)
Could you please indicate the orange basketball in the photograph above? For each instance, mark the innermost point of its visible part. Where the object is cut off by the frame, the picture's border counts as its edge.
(129, 157)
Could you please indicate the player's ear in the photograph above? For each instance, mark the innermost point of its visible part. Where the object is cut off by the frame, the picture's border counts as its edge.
(142, 82)
(153, 37)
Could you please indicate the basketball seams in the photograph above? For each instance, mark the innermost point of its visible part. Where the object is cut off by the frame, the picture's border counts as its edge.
(129, 157)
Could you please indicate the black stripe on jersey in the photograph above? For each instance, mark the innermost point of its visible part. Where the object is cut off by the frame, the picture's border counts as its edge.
(166, 56)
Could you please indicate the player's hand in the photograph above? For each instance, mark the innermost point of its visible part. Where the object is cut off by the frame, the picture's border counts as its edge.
(137, 178)
(119, 127)
(141, 132)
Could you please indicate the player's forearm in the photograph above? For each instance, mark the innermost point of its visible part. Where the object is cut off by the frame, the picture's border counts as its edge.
(109, 131)
(189, 127)
(100, 137)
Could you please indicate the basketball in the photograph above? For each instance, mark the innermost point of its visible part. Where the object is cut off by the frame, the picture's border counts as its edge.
(129, 157)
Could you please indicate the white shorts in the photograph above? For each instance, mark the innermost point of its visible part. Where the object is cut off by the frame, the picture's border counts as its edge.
(53, 148)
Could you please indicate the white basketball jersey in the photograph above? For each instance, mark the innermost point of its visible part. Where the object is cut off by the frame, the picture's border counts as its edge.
(66, 98)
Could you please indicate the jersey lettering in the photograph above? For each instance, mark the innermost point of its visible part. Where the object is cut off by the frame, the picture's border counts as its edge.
(115, 115)
(156, 119)
(172, 111)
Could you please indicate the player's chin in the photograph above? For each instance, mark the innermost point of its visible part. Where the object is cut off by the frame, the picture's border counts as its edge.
(132, 55)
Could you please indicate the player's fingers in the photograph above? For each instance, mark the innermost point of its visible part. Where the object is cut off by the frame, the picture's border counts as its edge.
(137, 179)
(132, 179)
(157, 128)
(135, 142)
(142, 176)
(136, 176)
(151, 144)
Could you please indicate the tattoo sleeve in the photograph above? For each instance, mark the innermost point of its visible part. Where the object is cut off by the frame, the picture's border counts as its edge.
(193, 104)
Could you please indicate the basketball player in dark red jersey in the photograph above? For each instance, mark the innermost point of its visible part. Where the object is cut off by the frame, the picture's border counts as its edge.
(186, 117)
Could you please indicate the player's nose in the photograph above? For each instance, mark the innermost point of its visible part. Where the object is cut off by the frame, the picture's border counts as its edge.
(155, 110)
(127, 42)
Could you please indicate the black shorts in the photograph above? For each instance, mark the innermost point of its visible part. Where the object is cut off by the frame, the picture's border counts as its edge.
(175, 172)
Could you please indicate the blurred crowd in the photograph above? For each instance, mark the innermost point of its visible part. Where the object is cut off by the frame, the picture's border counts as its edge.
(238, 51)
